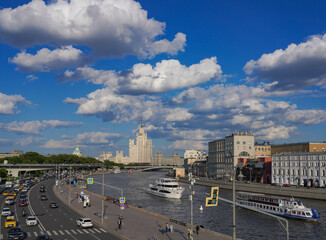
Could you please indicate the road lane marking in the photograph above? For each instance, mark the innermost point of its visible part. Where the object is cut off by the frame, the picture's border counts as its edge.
(29, 234)
(73, 231)
(91, 230)
(49, 233)
(97, 230)
(55, 233)
(79, 231)
(85, 231)
(62, 233)
(103, 230)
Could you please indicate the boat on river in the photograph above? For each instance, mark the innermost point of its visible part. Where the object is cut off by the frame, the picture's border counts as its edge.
(284, 207)
(166, 187)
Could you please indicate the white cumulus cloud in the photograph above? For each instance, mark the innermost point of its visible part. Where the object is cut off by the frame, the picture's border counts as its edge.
(46, 60)
(36, 127)
(109, 27)
(9, 103)
(165, 76)
(298, 66)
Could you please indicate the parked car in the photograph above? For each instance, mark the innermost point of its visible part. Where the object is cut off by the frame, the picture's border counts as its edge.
(31, 221)
(43, 197)
(84, 222)
(6, 212)
(16, 233)
(53, 205)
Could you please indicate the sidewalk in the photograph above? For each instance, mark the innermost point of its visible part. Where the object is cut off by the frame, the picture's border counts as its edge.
(138, 224)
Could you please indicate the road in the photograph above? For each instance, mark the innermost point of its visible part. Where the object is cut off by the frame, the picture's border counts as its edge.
(59, 223)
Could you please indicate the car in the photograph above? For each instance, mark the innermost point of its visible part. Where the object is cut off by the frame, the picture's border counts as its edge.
(16, 233)
(286, 185)
(9, 201)
(84, 222)
(6, 212)
(31, 221)
(23, 204)
(43, 237)
(25, 189)
(53, 205)
(42, 189)
(43, 198)
(10, 222)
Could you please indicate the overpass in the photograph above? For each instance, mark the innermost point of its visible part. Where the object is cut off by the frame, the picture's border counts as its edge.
(15, 169)
(148, 168)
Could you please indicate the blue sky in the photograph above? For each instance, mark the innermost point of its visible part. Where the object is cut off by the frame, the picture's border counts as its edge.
(84, 72)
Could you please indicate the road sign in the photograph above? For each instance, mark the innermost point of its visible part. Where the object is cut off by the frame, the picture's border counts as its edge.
(89, 180)
(212, 200)
(74, 182)
(122, 200)
(122, 206)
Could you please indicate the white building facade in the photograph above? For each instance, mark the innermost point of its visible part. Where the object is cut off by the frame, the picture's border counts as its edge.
(304, 169)
(105, 156)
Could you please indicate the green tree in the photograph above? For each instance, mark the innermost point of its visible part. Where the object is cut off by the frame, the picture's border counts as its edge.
(3, 173)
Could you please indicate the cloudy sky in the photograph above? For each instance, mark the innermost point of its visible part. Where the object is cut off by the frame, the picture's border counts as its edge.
(84, 72)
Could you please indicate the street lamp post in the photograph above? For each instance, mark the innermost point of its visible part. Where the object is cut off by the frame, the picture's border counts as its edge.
(233, 193)
(192, 182)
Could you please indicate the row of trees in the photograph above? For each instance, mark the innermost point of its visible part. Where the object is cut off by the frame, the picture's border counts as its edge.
(34, 158)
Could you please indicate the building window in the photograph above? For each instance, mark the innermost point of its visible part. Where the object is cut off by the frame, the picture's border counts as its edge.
(323, 149)
(315, 150)
(238, 142)
(249, 147)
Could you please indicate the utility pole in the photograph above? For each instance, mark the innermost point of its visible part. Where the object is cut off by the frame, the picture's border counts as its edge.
(233, 190)
(69, 183)
(102, 196)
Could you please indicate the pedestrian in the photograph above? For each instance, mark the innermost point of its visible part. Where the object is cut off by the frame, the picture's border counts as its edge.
(197, 229)
(167, 227)
(189, 235)
(119, 223)
(76, 195)
(171, 227)
(162, 229)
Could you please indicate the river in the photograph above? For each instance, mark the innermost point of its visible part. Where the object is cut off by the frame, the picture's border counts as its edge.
(249, 225)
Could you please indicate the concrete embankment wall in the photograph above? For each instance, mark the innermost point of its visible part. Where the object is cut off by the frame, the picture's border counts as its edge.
(301, 192)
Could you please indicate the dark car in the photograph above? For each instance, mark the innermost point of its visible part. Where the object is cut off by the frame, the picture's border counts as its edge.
(16, 233)
(44, 237)
(43, 197)
(53, 205)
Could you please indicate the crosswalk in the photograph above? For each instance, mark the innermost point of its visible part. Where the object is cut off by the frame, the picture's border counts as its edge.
(67, 232)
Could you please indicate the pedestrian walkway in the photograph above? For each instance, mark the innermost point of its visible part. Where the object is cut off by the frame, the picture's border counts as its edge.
(137, 223)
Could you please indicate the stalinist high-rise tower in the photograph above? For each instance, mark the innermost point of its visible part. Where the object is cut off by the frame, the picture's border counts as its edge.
(142, 151)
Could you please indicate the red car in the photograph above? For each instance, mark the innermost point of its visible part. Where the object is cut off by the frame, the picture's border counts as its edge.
(22, 204)
(286, 185)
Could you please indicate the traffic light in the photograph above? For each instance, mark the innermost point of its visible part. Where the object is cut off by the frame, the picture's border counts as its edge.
(212, 200)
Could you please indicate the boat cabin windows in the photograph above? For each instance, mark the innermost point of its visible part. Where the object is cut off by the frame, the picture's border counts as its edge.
(308, 214)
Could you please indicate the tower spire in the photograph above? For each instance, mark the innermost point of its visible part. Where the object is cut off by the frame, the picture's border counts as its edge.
(141, 122)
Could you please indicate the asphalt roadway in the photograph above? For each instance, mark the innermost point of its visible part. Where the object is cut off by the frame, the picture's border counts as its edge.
(59, 223)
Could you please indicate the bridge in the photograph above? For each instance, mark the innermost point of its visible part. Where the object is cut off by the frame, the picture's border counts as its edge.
(15, 169)
(148, 168)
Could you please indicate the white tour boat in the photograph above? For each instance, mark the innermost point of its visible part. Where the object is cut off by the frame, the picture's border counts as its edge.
(166, 187)
(284, 207)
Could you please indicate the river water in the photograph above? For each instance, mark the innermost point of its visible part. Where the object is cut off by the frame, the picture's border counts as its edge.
(249, 225)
